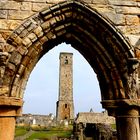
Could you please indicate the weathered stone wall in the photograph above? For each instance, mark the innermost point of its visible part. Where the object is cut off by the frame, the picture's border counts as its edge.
(124, 14)
(92, 117)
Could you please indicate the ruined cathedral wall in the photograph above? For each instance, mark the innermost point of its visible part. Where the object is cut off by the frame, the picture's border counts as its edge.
(124, 14)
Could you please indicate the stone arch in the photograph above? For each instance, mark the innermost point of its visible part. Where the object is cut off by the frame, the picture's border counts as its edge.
(95, 37)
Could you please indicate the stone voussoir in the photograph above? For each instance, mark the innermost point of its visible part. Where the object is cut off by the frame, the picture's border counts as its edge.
(38, 31)
(32, 37)
(27, 42)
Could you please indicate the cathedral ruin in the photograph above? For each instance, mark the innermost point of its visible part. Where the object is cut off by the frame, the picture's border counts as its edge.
(105, 32)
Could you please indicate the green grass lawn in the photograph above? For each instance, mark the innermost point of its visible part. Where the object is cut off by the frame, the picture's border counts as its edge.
(20, 131)
(45, 133)
(49, 134)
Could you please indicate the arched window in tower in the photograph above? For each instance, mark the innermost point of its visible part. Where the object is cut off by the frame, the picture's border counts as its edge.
(66, 61)
(66, 105)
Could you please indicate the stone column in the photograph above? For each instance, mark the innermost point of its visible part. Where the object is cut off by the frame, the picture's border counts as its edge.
(127, 121)
(9, 109)
(7, 128)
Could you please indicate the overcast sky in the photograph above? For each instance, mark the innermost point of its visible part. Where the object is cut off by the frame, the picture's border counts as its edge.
(42, 88)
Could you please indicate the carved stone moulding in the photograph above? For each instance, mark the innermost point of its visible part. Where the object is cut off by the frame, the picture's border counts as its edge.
(120, 105)
(10, 106)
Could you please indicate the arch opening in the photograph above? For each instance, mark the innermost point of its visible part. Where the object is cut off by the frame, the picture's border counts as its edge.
(42, 86)
(100, 43)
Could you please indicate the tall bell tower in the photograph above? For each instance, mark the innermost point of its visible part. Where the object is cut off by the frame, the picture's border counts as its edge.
(65, 105)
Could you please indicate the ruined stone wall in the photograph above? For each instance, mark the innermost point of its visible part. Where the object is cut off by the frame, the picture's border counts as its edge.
(124, 14)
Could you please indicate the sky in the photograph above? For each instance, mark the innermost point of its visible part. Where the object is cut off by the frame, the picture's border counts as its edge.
(42, 88)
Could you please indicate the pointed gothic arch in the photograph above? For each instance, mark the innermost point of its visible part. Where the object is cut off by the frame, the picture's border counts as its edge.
(86, 30)
(94, 36)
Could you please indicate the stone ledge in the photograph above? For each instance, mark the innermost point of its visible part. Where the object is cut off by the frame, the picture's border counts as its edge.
(120, 103)
(10, 107)
(10, 101)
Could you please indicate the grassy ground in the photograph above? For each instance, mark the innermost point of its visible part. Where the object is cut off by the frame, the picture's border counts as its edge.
(45, 133)
(20, 131)
(49, 134)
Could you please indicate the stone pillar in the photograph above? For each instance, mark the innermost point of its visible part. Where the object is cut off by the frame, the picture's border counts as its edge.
(127, 121)
(9, 109)
(7, 128)
(126, 112)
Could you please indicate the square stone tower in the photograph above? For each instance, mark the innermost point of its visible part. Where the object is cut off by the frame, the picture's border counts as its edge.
(65, 105)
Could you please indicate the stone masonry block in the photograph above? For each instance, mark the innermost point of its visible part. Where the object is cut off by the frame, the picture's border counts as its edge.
(122, 3)
(10, 5)
(89, 1)
(3, 14)
(53, 1)
(27, 23)
(19, 15)
(38, 31)
(39, 6)
(14, 91)
(11, 66)
(22, 50)
(5, 34)
(132, 20)
(23, 33)
(21, 69)
(103, 9)
(26, 41)
(26, 6)
(3, 24)
(38, 19)
(133, 39)
(32, 37)
(2, 70)
(9, 24)
(98, 1)
(130, 30)
(45, 25)
(1, 38)
(20, 29)
(18, 40)
(32, 26)
(15, 58)
(117, 19)
(8, 78)
(25, 60)
(32, 52)
(13, 36)
(8, 48)
(128, 10)
(38, 46)
(16, 80)
(4, 91)
(51, 35)
(43, 39)
(36, 1)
